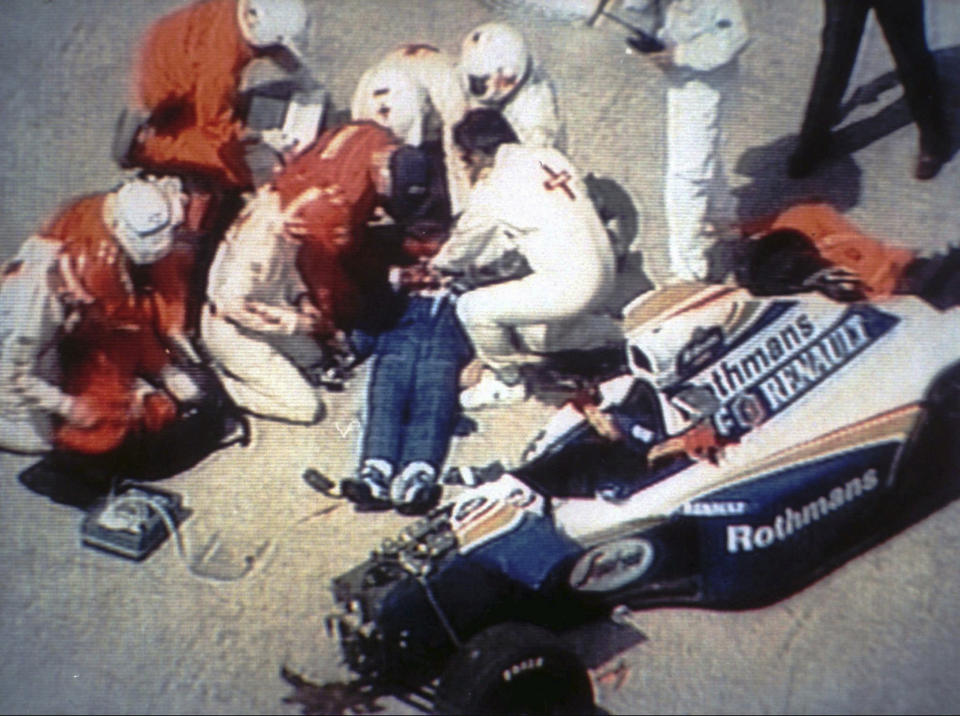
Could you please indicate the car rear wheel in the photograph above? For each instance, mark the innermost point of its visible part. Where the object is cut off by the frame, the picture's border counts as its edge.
(930, 467)
(514, 668)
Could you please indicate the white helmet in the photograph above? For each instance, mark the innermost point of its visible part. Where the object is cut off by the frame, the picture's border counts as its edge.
(390, 97)
(495, 60)
(143, 215)
(268, 23)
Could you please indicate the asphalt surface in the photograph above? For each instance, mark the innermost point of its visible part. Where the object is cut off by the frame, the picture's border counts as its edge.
(206, 630)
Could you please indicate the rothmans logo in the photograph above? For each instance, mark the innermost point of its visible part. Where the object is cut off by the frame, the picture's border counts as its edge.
(746, 538)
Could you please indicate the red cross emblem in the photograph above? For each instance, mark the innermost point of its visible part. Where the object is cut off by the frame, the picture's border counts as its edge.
(558, 180)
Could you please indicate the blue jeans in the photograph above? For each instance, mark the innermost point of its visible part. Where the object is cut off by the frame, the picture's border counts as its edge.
(412, 398)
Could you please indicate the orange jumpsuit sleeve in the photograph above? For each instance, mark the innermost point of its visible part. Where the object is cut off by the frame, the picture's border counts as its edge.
(332, 260)
(813, 220)
(115, 341)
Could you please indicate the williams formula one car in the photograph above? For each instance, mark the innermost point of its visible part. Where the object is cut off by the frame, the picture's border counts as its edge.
(832, 426)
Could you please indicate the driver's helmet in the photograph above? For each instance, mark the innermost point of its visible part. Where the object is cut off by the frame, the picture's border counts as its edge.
(390, 97)
(663, 327)
(494, 60)
(274, 23)
(144, 215)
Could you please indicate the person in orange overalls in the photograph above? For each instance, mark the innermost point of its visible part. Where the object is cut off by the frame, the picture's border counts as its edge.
(345, 270)
(186, 80)
(813, 246)
(122, 330)
(122, 370)
(301, 266)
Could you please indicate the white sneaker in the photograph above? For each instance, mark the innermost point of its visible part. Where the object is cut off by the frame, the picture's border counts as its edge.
(491, 391)
(415, 490)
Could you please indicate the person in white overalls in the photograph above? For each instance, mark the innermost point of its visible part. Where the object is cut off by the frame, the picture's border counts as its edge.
(703, 39)
(414, 92)
(498, 71)
(531, 202)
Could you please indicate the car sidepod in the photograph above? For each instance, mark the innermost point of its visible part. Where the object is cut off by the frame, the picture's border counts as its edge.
(765, 537)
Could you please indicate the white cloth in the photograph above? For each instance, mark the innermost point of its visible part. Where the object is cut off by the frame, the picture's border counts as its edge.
(257, 361)
(705, 35)
(406, 91)
(30, 314)
(534, 202)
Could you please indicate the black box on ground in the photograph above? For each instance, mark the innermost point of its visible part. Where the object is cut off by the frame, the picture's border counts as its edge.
(133, 522)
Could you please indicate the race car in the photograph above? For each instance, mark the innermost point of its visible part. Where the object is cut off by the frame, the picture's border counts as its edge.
(832, 428)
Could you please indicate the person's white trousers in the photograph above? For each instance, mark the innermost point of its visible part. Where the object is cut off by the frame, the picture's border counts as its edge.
(257, 376)
(31, 434)
(692, 176)
(540, 313)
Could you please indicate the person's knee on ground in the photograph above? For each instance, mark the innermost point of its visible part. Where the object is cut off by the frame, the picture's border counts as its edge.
(257, 377)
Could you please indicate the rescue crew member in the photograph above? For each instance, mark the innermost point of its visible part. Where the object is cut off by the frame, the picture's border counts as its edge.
(90, 362)
(527, 201)
(186, 81)
(301, 268)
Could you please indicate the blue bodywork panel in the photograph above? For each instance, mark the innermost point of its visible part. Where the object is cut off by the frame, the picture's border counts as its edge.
(791, 523)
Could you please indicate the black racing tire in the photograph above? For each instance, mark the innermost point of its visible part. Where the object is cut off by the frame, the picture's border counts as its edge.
(929, 468)
(514, 668)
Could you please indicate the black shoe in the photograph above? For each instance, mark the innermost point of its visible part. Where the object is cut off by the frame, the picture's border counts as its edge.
(645, 44)
(415, 490)
(929, 165)
(424, 499)
(369, 490)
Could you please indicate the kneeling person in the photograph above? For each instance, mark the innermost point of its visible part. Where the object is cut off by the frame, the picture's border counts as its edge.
(300, 268)
(528, 202)
(90, 367)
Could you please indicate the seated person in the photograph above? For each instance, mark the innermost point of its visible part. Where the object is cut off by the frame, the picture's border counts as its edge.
(612, 440)
(89, 367)
(527, 202)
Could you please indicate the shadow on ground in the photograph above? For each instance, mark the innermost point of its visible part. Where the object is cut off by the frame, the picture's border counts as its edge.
(838, 180)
